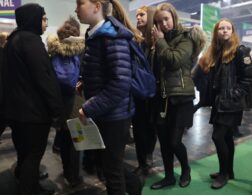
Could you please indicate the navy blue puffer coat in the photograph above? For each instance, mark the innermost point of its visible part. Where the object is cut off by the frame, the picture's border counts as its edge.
(106, 65)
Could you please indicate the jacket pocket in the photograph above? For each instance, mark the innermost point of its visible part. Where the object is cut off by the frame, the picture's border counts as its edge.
(228, 105)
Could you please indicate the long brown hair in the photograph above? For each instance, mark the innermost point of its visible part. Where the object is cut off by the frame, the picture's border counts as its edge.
(120, 14)
(150, 10)
(228, 49)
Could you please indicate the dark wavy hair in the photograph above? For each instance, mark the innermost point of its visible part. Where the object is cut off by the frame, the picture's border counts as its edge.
(71, 27)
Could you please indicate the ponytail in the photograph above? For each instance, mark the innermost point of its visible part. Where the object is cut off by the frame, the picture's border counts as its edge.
(119, 13)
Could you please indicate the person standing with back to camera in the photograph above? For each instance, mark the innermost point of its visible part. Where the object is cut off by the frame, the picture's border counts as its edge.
(32, 98)
(143, 124)
(107, 78)
(173, 62)
(230, 76)
(65, 50)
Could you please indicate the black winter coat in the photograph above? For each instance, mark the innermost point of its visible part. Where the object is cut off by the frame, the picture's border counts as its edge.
(229, 84)
(31, 90)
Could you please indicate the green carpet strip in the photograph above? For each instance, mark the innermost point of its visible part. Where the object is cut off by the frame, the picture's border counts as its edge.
(201, 182)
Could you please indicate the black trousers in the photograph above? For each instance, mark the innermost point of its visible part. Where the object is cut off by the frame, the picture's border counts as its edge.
(115, 135)
(170, 131)
(223, 139)
(2, 124)
(30, 142)
(69, 156)
(144, 132)
(171, 144)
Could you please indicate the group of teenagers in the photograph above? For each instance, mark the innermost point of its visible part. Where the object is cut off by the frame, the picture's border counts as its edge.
(33, 99)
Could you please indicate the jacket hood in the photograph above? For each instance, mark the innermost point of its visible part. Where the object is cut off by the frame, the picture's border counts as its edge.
(29, 17)
(113, 28)
(198, 36)
(67, 47)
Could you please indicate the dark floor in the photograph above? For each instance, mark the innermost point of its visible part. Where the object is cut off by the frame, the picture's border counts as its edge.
(197, 139)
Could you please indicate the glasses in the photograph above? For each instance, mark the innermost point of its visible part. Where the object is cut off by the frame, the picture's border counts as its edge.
(45, 19)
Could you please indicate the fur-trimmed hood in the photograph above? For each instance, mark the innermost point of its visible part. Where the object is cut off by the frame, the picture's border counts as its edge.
(199, 38)
(67, 47)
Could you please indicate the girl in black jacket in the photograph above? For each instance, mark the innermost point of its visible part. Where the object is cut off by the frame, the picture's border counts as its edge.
(230, 75)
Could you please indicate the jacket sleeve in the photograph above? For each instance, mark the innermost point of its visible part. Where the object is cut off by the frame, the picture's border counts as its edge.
(244, 73)
(173, 56)
(43, 75)
(117, 88)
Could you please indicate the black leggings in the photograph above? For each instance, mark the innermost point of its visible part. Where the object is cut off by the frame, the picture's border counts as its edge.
(144, 132)
(171, 143)
(30, 142)
(224, 143)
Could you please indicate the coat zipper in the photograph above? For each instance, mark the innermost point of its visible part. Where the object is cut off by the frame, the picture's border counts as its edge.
(181, 78)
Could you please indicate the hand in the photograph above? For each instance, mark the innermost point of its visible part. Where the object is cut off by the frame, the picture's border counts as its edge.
(157, 33)
(78, 88)
(82, 116)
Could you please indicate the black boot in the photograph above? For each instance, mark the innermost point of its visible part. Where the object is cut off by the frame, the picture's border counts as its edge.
(220, 181)
(185, 178)
(215, 175)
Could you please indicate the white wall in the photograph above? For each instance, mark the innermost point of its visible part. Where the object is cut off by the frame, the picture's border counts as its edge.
(57, 10)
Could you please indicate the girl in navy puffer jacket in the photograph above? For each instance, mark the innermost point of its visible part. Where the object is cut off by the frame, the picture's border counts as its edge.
(106, 66)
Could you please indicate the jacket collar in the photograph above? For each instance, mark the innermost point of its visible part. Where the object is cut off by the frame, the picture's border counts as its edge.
(113, 28)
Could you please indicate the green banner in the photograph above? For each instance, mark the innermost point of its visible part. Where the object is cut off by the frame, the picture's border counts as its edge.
(246, 26)
(210, 15)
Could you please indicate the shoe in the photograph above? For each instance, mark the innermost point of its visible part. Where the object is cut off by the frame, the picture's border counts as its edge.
(142, 171)
(100, 175)
(219, 182)
(163, 183)
(56, 149)
(237, 133)
(185, 179)
(130, 140)
(74, 183)
(149, 160)
(90, 170)
(43, 175)
(134, 183)
(44, 191)
(215, 175)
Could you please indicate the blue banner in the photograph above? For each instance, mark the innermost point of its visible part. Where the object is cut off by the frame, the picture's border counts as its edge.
(7, 8)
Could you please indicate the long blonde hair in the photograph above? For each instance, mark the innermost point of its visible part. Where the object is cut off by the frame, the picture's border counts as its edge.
(120, 14)
(169, 8)
(228, 49)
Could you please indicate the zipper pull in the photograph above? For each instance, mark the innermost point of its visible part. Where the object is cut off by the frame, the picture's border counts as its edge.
(164, 94)
(182, 79)
(163, 114)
